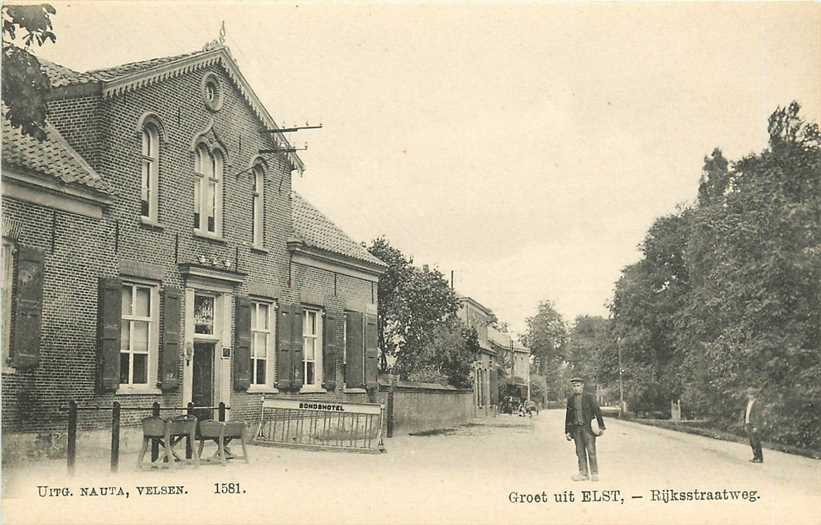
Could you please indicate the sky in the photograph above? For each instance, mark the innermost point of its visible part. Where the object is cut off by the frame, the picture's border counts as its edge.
(525, 147)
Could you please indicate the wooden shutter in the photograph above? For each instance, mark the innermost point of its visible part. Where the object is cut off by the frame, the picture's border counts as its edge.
(109, 314)
(242, 347)
(29, 311)
(297, 368)
(371, 351)
(494, 388)
(329, 346)
(283, 329)
(355, 349)
(170, 362)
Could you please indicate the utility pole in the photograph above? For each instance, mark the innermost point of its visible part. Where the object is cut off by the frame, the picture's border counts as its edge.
(621, 385)
(528, 379)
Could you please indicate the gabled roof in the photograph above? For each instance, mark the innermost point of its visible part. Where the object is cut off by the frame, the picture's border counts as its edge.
(315, 230)
(498, 338)
(62, 76)
(53, 158)
(118, 80)
(467, 299)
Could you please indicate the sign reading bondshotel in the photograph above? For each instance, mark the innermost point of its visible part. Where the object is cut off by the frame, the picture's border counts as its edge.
(324, 406)
(355, 427)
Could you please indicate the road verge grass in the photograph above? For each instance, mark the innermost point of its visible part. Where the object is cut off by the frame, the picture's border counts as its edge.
(702, 428)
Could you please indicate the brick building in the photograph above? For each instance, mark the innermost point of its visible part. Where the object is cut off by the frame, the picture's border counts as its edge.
(154, 251)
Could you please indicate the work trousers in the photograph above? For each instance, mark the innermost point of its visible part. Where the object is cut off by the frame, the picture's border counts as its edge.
(586, 451)
(755, 442)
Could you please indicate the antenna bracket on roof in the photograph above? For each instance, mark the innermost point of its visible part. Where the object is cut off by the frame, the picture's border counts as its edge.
(282, 150)
(292, 128)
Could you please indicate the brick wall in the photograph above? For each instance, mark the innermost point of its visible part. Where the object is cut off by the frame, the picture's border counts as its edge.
(419, 407)
(78, 120)
(77, 251)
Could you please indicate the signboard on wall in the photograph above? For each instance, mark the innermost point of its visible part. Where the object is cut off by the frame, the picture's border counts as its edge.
(324, 406)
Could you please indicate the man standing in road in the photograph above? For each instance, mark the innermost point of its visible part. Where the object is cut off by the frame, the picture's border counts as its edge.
(752, 424)
(581, 409)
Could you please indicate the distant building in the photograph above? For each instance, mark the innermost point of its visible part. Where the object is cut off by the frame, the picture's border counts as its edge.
(515, 359)
(477, 316)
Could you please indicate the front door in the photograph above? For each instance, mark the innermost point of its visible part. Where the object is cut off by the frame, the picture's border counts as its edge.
(202, 387)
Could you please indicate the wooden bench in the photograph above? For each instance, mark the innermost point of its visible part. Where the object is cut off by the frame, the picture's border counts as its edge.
(222, 433)
(156, 428)
(183, 427)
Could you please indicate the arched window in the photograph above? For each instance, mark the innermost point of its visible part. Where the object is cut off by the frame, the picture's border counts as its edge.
(208, 166)
(258, 206)
(150, 172)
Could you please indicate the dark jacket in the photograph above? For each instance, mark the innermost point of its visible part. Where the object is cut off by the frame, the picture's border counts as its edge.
(590, 409)
(756, 413)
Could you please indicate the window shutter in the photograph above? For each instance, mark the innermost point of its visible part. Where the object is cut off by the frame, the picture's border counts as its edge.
(29, 311)
(242, 347)
(170, 367)
(329, 346)
(109, 314)
(494, 389)
(283, 363)
(371, 351)
(297, 379)
(355, 365)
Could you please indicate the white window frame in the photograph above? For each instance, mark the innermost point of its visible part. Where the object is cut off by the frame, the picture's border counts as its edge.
(270, 365)
(153, 337)
(149, 182)
(208, 169)
(316, 339)
(9, 251)
(345, 340)
(258, 206)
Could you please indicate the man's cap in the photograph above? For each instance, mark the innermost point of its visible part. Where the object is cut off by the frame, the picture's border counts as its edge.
(577, 379)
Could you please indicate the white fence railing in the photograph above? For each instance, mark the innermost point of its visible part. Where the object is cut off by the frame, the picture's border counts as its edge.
(355, 427)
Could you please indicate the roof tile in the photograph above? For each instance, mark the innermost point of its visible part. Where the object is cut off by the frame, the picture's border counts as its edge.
(54, 157)
(316, 230)
(61, 76)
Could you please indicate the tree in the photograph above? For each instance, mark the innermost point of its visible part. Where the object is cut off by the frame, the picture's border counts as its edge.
(588, 340)
(714, 179)
(728, 292)
(392, 307)
(25, 86)
(754, 315)
(413, 304)
(645, 312)
(546, 336)
(449, 357)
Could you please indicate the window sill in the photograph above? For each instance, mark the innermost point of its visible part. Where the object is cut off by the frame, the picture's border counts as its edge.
(355, 391)
(259, 249)
(312, 390)
(151, 224)
(262, 390)
(137, 390)
(205, 338)
(209, 236)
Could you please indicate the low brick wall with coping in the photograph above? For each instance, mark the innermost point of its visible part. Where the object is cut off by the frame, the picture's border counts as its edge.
(426, 406)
